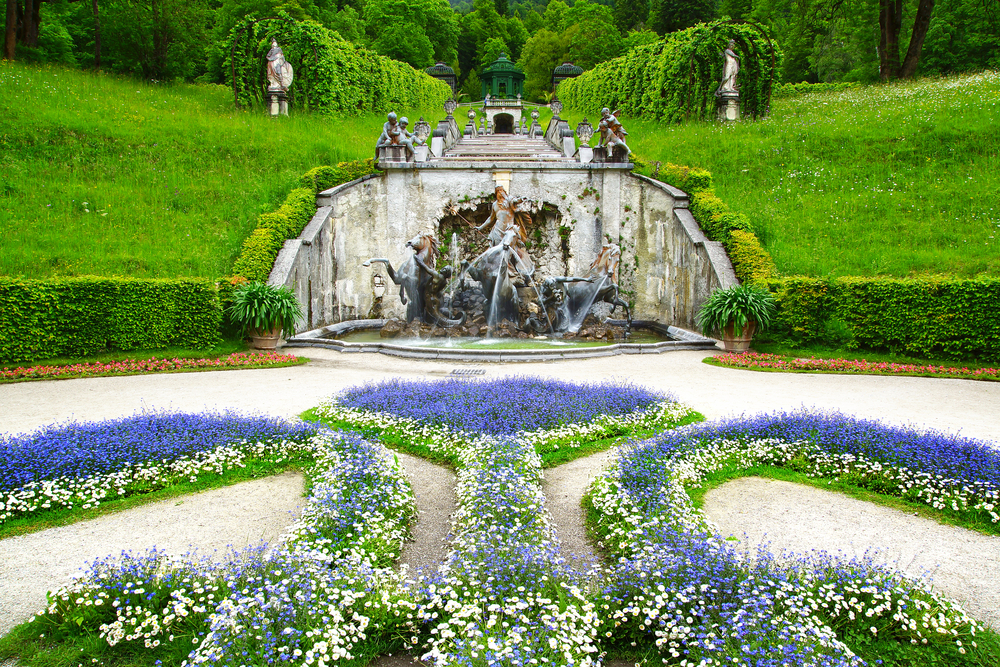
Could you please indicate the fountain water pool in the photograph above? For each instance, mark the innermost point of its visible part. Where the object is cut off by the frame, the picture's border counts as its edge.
(647, 337)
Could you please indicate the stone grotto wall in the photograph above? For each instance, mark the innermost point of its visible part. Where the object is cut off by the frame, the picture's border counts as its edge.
(668, 267)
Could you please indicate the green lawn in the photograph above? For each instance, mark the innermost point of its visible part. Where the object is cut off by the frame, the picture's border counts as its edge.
(111, 176)
(106, 175)
(895, 180)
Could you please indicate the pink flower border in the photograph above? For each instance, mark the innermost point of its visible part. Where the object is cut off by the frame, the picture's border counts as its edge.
(754, 360)
(154, 365)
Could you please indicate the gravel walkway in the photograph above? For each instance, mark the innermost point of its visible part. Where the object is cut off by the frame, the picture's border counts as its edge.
(960, 563)
(238, 515)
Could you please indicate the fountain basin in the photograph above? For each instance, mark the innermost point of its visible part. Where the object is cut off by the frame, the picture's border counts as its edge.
(356, 336)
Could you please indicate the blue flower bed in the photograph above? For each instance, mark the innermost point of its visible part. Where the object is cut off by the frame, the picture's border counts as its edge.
(99, 448)
(947, 472)
(679, 587)
(326, 593)
(500, 406)
(940, 454)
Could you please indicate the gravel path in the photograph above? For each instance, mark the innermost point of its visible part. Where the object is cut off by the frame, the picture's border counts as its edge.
(947, 404)
(238, 515)
(434, 490)
(960, 563)
(564, 487)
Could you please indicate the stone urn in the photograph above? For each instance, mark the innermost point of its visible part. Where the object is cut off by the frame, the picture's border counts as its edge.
(734, 343)
(265, 339)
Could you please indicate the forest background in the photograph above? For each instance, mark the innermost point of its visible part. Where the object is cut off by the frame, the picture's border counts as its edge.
(822, 40)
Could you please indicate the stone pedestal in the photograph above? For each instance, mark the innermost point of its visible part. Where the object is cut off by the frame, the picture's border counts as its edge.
(729, 107)
(420, 153)
(392, 154)
(437, 146)
(585, 154)
(618, 154)
(277, 102)
(569, 146)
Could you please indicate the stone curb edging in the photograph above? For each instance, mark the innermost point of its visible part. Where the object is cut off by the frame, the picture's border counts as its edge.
(683, 340)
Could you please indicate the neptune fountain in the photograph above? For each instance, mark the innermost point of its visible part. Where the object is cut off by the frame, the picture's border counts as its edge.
(499, 292)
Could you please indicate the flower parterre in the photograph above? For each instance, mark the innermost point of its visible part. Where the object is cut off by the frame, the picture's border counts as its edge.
(505, 595)
(947, 472)
(681, 587)
(82, 465)
(444, 418)
(152, 365)
(315, 599)
(778, 362)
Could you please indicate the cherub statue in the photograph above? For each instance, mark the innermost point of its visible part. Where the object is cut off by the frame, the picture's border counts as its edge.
(390, 133)
(407, 139)
(612, 133)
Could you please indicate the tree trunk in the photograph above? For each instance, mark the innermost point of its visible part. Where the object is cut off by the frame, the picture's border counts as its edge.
(30, 22)
(890, 19)
(920, 26)
(97, 37)
(160, 39)
(10, 34)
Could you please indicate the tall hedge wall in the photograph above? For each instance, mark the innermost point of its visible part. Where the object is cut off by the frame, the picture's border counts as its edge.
(331, 74)
(71, 317)
(676, 78)
(934, 317)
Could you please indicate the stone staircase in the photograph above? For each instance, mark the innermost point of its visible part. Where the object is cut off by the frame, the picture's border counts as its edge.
(502, 148)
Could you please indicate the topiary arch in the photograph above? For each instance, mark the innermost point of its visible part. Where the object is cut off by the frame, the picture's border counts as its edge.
(331, 74)
(676, 78)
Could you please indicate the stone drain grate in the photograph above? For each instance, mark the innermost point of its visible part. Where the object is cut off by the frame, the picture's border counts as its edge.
(466, 372)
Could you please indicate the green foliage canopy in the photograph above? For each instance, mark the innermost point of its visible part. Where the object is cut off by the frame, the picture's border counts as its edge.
(677, 77)
(331, 74)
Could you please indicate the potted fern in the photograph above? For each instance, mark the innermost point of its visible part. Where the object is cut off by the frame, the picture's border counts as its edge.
(264, 311)
(737, 313)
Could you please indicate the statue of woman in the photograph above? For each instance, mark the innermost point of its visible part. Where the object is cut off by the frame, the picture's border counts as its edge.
(729, 70)
(279, 72)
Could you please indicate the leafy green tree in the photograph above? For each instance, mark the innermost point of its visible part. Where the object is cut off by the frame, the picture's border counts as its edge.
(541, 54)
(501, 7)
(532, 21)
(555, 15)
(630, 14)
(406, 42)
(434, 18)
(491, 50)
(666, 16)
(517, 35)
(473, 87)
(593, 36)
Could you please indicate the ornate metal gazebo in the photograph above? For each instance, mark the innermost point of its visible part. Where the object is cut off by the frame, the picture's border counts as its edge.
(565, 71)
(442, 71)
(502, 79)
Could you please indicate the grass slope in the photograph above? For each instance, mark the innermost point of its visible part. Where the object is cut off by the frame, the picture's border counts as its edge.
(110, 176)
(895, 180)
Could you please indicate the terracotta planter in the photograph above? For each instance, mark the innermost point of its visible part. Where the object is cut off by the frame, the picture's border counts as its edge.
(735, 343)
(265, 340)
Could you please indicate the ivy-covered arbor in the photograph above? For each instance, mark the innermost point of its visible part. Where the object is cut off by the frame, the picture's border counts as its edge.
(502, 78)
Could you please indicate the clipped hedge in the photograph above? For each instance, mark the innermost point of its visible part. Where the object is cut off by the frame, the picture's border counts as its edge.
(751, 262)
(72, 317)
(676, 78)
(256, 258)
(332, 75)
(932, 317)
